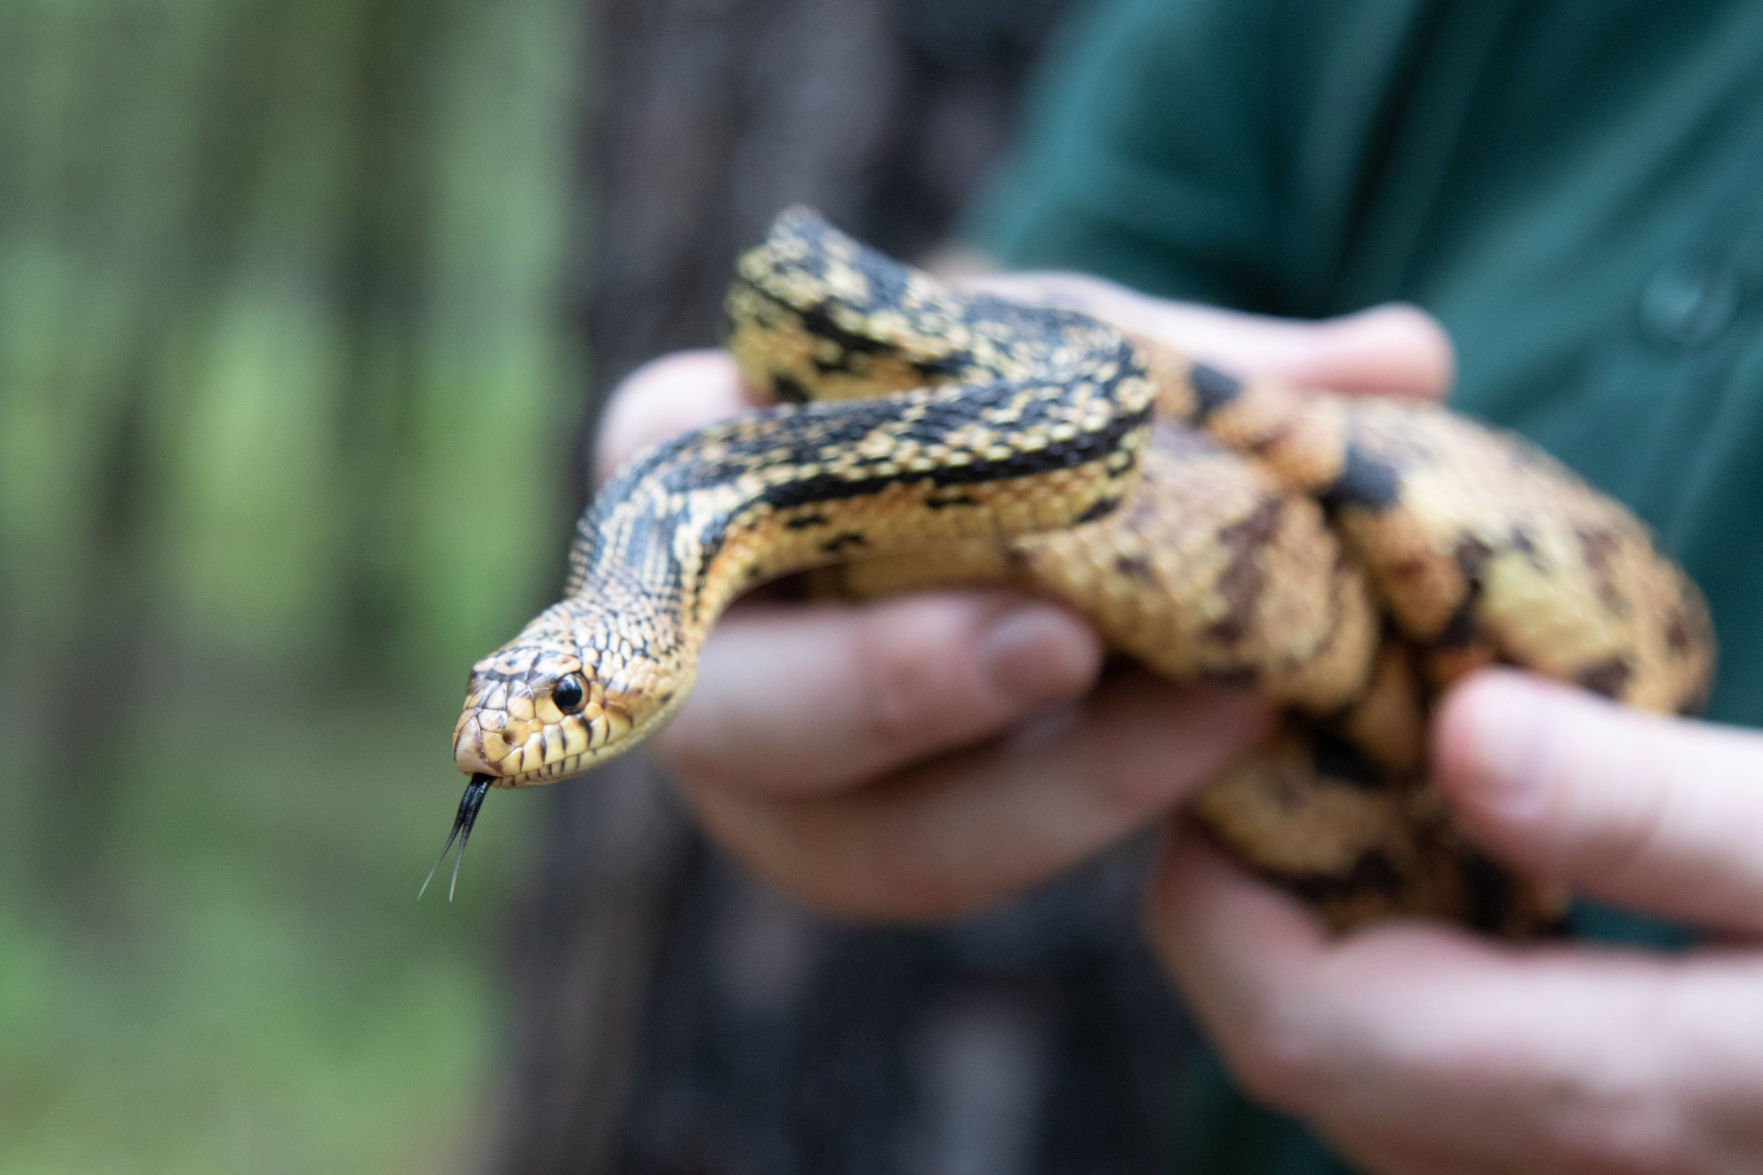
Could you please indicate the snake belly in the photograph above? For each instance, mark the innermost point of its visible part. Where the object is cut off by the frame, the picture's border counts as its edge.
(1347, 557)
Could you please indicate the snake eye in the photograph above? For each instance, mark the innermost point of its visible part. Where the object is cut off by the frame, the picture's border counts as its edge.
(569, 694)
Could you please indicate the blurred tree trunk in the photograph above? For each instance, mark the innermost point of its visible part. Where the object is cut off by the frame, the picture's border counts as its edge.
(670, 1015)
(269, 271)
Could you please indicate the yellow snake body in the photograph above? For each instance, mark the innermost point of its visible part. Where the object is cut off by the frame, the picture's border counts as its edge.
(1347, 557)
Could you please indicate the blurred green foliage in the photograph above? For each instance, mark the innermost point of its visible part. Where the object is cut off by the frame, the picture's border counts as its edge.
(286, 399)
(285, 271)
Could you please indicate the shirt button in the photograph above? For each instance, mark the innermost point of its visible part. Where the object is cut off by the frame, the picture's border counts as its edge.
(1689, 302)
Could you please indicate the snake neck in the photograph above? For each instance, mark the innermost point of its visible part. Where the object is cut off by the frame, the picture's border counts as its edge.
(1018, 420)
(696, 521)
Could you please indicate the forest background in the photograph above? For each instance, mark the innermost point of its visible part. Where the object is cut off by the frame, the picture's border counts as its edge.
(288, 387)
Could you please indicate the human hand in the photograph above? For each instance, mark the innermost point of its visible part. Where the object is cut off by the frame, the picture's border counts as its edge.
(924, 756)
(1420, 1048)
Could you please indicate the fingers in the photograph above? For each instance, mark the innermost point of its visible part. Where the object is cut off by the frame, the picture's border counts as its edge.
(1656, 813)
(799, 700)
(1233, 946)
(664, 398)
(956, 834)
(1395, 350)
(1417, 1048)
(1386, 350)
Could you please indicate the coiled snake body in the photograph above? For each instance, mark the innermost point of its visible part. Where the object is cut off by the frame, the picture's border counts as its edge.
(1348, 557)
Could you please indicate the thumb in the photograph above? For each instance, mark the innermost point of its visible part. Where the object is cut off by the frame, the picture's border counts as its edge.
(1395, 349)
(1655, 813)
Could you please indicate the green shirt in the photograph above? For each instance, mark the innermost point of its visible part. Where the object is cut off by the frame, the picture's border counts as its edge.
(1574, 187)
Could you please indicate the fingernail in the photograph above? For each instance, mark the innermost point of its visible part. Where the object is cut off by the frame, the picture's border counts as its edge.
(1037, 653)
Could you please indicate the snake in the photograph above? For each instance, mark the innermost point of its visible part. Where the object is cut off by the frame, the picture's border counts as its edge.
(1347, 557)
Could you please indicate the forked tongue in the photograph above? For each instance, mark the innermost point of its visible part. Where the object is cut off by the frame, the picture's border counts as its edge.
(468, 809)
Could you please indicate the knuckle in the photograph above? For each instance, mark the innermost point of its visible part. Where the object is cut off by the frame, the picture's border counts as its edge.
(913, 678)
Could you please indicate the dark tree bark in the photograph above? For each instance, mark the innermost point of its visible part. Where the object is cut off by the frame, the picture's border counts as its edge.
(670, 1014)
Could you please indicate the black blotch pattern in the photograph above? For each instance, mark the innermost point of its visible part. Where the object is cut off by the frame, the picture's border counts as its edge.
(1228, 631)
(948, 367)
(1372, 872)
(1244, 577)
(1100, 508)
(818, 320)
(1365, 482)
(944, 501)
(804, 521)
(1472, 557)
(1600, 546)
(1336, 758)
(1490, 892)
(1233, 678)
(1461, 631)
(844, 541)
(1524, 542)
(1134, 567)
(1493, 895)
(1213, 389)
(1607, 677)
(1677, 633)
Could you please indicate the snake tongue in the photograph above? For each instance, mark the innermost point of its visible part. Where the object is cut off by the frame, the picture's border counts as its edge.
(462, 824)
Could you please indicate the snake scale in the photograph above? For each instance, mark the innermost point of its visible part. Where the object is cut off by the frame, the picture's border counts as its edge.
(1347, 557)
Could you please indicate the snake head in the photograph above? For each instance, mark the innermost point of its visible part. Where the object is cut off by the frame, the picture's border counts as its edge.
(558, 699)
